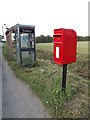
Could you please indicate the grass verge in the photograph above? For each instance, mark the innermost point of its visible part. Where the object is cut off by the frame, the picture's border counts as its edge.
(45, 80)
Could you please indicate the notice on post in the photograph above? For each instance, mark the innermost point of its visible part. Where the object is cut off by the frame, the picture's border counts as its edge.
(57, 52)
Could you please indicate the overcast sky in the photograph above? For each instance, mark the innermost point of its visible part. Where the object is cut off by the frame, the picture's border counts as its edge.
(46, 15)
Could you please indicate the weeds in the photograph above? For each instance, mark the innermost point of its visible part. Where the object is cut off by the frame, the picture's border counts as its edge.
(47, 84)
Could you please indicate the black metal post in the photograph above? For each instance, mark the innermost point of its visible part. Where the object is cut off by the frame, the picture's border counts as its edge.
(34, 46)
(64, 77)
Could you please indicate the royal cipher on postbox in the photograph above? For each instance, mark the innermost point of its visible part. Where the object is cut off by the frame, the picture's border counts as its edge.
(65, 44)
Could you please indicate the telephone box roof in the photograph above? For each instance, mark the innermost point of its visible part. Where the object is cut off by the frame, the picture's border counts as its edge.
(20, 26)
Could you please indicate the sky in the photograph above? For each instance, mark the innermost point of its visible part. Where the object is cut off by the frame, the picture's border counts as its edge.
(46, 15)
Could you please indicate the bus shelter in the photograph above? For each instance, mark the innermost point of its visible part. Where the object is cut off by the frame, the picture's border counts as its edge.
(25, 43)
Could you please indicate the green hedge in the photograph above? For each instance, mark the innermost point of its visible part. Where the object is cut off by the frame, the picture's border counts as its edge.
(48, 39)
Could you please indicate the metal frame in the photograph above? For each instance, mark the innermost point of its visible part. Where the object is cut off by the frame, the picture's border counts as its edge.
(20, 45)
(34, 46)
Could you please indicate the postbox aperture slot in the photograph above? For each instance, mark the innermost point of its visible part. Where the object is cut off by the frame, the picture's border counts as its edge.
(56, 35)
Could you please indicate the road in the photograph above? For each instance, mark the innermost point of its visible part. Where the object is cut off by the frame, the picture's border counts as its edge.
(17, 98)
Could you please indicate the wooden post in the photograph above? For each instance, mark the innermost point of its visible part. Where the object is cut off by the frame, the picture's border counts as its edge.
(7, 44)
(10, 40)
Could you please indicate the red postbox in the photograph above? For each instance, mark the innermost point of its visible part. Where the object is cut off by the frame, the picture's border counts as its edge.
(65, 44)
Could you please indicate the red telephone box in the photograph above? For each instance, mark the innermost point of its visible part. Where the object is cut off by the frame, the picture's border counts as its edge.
(65, 43)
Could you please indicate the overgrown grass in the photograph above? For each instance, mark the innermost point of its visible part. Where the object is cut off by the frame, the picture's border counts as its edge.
(45, 80)
(80, 67)
(82, 47)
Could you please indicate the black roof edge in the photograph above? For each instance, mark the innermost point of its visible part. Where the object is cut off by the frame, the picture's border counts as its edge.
(19, 25)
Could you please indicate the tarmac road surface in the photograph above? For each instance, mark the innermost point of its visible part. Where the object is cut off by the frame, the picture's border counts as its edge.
(17, 98)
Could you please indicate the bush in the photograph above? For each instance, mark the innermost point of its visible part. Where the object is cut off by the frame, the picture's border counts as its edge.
(49, 39)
